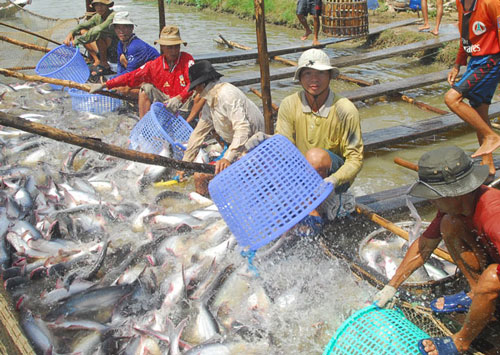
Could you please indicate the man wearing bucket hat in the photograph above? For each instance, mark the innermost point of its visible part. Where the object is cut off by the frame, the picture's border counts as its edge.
(467, 220)
(133, 52)
(98, 37)
(227, 111)
(324, 126)
(165, 79)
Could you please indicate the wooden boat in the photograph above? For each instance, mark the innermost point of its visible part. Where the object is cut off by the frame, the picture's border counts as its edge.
(10, 8)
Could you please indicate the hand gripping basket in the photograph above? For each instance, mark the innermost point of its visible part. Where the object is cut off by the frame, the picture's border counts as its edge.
(377, 331)
(267, 192)
(64, 63)
(94, 103)
(158, 128)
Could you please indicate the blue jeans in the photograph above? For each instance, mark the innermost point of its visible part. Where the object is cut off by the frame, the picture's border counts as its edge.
(337, 162)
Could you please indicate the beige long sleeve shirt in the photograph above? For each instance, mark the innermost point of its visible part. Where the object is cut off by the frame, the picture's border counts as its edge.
(231, 114)
(334, 127)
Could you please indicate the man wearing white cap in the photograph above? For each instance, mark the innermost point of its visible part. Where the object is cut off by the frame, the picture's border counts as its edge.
(133, 52)
(165, 79)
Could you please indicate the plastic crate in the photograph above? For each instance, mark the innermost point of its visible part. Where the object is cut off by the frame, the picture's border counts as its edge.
(159, 127)
(377, 331)
(98, 104)
(267, 192)
(64, 63)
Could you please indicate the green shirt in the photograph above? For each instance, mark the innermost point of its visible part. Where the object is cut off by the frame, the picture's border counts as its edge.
(334, 127)
(96, 27)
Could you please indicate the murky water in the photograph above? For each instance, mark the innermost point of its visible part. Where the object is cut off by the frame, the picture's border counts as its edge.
(311, 299)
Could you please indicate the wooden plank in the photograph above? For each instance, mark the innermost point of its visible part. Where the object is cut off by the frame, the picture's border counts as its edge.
(394, 87)
(252, 54)
(392, 135)
(340, 62)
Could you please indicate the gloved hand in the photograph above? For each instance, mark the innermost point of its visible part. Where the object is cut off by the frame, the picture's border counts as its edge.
(173, 104)
(95, 87)
(331, 179)
(255, 140)
(384, 296)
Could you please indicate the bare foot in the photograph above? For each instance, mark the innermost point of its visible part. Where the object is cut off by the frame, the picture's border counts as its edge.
(490, 144)
(487, 159)
(435, 32)
(424, 28)
(304, 37)
(429, 347)
(316, 42)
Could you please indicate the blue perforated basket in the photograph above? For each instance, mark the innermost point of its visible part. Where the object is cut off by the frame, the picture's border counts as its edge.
(65, 63)
(377, 331)
(267, 192)
(158, 127)
(83, 101)
(415, 5)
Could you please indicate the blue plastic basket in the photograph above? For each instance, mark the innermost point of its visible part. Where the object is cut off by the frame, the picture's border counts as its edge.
(415, 4)
(98, 104)
(267, 192)
(65, 63)
(160, 126)
(377, 331)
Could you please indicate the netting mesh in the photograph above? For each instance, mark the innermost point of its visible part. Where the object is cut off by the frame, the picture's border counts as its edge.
(12, 55)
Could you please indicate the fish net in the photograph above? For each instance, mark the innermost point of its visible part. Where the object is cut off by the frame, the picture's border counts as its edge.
(15, 56)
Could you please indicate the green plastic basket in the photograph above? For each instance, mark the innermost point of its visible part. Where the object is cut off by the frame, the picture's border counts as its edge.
(374, 330)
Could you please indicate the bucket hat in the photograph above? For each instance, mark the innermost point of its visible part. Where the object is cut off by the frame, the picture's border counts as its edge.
(201, 72)
(121, 18)
(170, 36)
(105, 2)
(316, 59)
(447, 172)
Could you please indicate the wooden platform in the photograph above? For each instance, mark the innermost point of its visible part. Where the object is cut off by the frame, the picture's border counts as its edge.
(252, 54)
(345, 61)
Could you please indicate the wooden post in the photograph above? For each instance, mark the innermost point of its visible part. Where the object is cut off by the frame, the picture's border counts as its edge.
(161, 13)
(264, 65)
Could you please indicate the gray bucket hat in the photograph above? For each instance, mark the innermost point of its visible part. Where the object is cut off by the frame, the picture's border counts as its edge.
(447, 172)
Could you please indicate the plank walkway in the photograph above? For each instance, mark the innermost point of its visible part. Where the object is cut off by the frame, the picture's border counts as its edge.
(252, 54)
(345, 61)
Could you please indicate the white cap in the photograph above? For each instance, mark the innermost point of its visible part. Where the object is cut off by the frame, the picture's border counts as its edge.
(314, 59)
(121, 18)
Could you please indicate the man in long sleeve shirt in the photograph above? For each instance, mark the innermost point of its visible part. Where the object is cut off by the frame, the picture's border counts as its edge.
(97, 35)
(479, 25)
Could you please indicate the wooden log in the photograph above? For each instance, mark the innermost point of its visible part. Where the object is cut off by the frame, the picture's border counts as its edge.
(161, 14)
(258, 93)
(406, 163)
(226, 42)
(260, 24)
(101, 147)
(31, 33)
(422, 105)
(24, 44)
(381, 221)
(21, 68)
(66, 83)
(350, 79)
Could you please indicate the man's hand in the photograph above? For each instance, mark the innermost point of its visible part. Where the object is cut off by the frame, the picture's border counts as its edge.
(180, 174)
(255, 140)
(69, 40)
(452, 75)
(331, 179)
(384, 296)
(221, 165)
(173, 104)
(95, 87)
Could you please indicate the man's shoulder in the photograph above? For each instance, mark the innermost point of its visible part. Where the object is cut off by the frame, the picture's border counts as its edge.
(344, 106)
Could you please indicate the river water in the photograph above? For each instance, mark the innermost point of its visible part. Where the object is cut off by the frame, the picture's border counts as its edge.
(312, 294)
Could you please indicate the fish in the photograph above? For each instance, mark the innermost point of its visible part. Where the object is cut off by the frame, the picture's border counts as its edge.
(176, 219)
(229, 348)
(38, 333)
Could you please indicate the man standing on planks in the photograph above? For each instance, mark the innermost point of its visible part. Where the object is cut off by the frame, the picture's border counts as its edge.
(304, 8)
(479, 24)
(467, 221)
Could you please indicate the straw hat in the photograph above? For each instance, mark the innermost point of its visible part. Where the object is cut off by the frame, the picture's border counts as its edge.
(315, 59)
(109, 3)
(121, 18)
(447, 172)
(170, 36)
(201, 72)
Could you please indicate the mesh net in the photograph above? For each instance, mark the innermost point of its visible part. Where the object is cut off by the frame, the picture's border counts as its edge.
(12, 55)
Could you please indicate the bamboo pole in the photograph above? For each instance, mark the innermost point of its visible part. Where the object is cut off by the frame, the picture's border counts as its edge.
(98, 146)
(406, 163)
(381, 221)
(265, 83)
(66, 83)
(422, 105)
(24, 44)
(29, 32)
(227, 43)
(258, 93)
(21, 68)
(161, 14)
